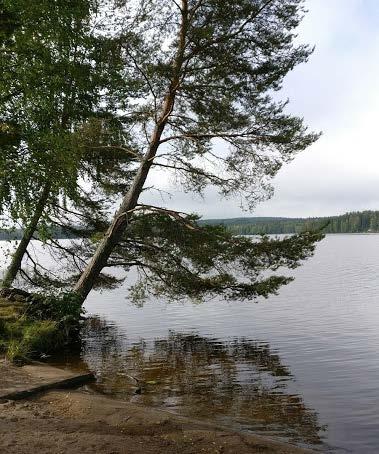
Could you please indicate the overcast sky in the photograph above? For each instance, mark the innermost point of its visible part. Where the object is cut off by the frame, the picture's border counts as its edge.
(337, 92)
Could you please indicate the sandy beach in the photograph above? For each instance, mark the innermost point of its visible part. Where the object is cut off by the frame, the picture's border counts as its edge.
(80, 421)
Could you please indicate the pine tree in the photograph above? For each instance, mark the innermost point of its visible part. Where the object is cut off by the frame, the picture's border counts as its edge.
(204, 73)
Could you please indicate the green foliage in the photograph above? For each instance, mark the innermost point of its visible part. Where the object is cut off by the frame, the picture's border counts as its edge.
(43, 325)
(45, 90)
(34, 339)
(185, 86)
(15, 352)
(235, 56)
(181, 258)
(202, 108)
(57, 124)
(55, 307)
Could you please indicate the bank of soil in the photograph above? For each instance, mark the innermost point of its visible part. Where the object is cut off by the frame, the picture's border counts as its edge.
(79, 421)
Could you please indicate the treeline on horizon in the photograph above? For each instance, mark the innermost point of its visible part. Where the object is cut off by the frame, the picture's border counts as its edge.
(58, 233)
(354, 222)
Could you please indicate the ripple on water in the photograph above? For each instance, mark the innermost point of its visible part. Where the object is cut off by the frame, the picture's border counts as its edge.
(305, 358)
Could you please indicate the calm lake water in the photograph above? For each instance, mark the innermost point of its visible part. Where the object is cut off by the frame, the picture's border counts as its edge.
(303, 365)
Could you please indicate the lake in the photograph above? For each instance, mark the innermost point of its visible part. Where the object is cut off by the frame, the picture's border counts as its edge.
(302, 366)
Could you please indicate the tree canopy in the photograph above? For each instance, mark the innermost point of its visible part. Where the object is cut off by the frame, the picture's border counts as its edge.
(52, 102)
(203, 108)
(98, 97)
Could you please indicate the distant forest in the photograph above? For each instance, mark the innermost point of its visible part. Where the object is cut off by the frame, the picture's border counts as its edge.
(16, 234)
(355, 222)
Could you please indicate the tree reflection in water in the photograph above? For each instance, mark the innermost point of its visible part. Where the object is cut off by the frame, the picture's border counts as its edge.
(241, 383)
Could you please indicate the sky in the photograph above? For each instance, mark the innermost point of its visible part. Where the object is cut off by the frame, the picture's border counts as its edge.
(337, 92)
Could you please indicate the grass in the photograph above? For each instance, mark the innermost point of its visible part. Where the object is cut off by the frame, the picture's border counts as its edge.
(9, 315)
(25, 336)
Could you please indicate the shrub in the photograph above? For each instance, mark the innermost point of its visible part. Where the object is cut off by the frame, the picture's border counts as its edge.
(51, 307)
(46, 325)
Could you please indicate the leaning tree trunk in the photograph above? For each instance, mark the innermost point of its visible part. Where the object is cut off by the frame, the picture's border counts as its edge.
(120, 222)
(15, 265)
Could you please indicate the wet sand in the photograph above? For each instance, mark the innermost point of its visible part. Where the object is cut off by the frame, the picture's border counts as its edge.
(70, 422)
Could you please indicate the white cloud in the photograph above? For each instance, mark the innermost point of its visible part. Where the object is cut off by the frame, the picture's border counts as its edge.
(337, 92)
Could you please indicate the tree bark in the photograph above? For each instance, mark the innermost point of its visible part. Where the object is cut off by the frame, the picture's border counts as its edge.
(15, 265)
(120, 221)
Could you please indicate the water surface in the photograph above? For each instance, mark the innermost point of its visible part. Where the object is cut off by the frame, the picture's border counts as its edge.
(303, 365)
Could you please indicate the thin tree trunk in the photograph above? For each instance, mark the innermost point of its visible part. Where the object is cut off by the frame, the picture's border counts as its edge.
(120, 222)
(15, 265)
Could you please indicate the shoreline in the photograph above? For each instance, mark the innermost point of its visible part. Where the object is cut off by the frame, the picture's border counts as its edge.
(73, 421)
